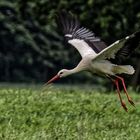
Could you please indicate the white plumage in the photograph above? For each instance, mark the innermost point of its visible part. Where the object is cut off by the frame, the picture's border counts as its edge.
(83, 48)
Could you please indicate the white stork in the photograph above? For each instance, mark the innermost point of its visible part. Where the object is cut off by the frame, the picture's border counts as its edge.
(97, 57)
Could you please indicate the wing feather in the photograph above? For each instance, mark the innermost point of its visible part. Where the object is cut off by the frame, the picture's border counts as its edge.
(118, 51)
(84, 37)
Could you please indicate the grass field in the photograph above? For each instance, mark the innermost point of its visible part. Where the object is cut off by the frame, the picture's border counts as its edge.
(66, 114)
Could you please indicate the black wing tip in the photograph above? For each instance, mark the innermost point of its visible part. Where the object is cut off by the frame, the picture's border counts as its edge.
(65, 13)
(67, 21)
(66, 16)
(131, 43)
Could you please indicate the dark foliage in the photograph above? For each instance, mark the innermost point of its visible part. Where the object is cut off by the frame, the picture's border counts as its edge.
(32, 47)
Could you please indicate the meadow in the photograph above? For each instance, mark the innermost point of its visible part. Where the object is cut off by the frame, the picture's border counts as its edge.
(58, 113)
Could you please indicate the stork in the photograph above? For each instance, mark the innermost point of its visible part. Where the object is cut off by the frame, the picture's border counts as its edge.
(97, 57)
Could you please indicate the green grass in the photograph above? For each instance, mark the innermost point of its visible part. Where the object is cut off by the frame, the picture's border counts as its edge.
(66, 114)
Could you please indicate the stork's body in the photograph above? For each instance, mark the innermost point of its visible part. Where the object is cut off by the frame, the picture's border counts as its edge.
(101, 67)
(97, 57)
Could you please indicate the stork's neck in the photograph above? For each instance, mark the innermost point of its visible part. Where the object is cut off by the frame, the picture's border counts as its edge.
(75, 70)
(83, 65)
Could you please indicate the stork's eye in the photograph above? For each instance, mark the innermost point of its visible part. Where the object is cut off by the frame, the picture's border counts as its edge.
(61, 73)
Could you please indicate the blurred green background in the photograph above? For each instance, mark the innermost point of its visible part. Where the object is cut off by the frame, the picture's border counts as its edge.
(32, 48)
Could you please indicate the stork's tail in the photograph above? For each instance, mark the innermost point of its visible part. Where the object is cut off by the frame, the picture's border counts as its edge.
(125, 69)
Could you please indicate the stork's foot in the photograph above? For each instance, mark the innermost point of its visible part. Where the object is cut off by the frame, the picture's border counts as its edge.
(124, 106)
(131, 102)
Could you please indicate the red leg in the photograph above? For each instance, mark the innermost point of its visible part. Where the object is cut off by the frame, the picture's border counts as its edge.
(118, 91)
(125, 91)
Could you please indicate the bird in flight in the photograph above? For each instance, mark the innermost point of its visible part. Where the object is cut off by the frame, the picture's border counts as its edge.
(97, 57)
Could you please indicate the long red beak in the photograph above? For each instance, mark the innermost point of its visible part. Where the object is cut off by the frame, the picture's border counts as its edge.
(53, 79)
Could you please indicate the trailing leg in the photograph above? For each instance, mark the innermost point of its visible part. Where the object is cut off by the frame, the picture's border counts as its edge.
(125, 90)
(118, 92)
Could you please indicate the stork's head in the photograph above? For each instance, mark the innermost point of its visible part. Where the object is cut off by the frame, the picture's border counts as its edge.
(63, 73)
(60, 74)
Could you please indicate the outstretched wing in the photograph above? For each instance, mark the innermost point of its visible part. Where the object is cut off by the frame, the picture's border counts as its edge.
(81, 38)
(121, 49)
